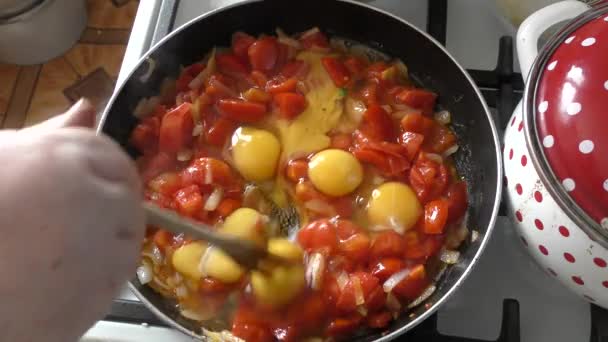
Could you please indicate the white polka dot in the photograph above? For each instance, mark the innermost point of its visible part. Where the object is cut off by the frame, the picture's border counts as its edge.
(604, 223)
(606, 19)
(569, 184)
(542, 107)
(588, 41)
(548, 141)
(606, 184)
(552, 65)
(606, 85)
(573, 108)
(570, 39)
(586, 146)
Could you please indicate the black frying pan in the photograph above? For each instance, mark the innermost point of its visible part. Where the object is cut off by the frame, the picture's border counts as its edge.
(478, 159)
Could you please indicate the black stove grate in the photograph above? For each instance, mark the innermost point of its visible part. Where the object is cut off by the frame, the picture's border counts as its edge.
(502, 89)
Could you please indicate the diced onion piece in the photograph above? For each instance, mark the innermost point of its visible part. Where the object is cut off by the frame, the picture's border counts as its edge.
(455, 236)
(387, 108)
(403, 107)
(315, 271)
(146, 106)
(443, 117)
(319, 206)
(155, 255)
(395, 279)
(342, 280)
(200, 79)
(401, 113)
(184, 155)
(181, 291)
(450, 257)
(214, 199)
(195, 315)
(144, 273)
(223, 336)
(197, 130)
(377, 180)
(302, 87)
(208, 174)
(424, 296)
(161, 284)
(362, 310)
(392, 303)
(359, 297)
(474, 236)
(402, 68)
(202, 265)
(287, 40)
(310, 32)
(151, 66)
(450, 150)
(434, 157)
(442, 269)
(354, 109)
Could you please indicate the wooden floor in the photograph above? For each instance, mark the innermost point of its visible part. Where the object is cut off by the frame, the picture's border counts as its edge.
(30, 94)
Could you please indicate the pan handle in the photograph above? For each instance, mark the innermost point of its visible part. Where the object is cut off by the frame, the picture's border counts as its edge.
(533, 27)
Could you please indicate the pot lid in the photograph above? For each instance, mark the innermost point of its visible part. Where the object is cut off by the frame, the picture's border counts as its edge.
(567, 119)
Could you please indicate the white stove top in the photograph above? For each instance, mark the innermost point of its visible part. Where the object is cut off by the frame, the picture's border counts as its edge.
(548, 312)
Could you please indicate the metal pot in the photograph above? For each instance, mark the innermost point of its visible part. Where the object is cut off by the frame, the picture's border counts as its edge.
(33, 32)
(477, 160)
(556, 147)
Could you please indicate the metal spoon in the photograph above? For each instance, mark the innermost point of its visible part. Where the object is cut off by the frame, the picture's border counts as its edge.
(243, 252)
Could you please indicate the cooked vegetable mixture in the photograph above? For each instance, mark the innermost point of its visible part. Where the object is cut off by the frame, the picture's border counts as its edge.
(324, 152)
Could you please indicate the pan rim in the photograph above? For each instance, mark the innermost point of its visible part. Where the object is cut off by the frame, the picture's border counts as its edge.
(496, 140)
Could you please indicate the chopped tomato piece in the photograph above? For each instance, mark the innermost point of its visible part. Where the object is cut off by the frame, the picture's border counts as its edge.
(305, 191)
(252, 332)
(230, 64)
(208, 171)
(290, 104)
(259, 78)
(151, 167)
(176, 129)
(435, 216)
(387, 244)
(369, 93)
(189, 200)
(166, 183)
(281, 85)
(242, 111)
(417, 123)
(263, 54)
(308, 311)
(439, 139)
(296, 68)
(220, 131)
(377, 124)
(386, 267)
(390, 159)
(336, 70)
(219, 87)
(227, 206)
(341, 141)
(428, 178)
(418, 99)
(241, 43)
(346, 229)
(318, 235)
(419, 247)
(355, 65)
(316, 39)
(145, 135)
(163, 239)
(379, 320)
(368, 285)
(343, 206)
(413, 284)
(457, 201)
(296, 170)
(356, 247)
(412, 142)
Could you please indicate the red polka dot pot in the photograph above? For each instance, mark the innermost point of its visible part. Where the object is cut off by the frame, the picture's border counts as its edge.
(556, 147)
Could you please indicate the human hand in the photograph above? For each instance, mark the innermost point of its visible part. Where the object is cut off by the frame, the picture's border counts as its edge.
(71, 226)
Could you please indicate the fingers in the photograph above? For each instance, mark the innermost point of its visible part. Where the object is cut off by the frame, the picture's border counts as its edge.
(81, 114)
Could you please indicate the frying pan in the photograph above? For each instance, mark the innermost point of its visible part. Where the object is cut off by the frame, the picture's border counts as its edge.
(478, 159)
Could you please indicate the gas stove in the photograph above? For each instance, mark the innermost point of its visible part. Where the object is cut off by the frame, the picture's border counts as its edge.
(507, 297)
